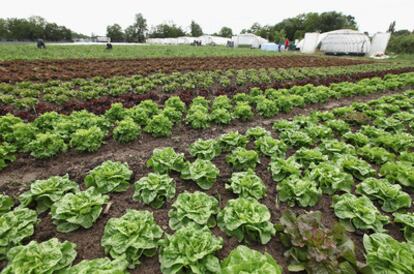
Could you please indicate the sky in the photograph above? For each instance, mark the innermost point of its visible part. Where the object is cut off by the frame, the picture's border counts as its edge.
(92, 16)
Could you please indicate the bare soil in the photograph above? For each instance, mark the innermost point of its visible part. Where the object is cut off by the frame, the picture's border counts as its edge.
(17, 177)
(43, 70)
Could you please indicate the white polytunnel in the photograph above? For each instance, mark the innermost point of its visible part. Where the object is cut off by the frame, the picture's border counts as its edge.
(345, 42)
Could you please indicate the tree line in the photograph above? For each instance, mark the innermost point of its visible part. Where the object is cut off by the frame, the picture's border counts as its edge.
(35, 27)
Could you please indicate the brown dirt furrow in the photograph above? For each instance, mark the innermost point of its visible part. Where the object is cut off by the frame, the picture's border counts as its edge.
(15, 178)
(43, 70)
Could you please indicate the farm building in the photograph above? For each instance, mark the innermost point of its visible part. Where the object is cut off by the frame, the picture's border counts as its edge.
(248, 40)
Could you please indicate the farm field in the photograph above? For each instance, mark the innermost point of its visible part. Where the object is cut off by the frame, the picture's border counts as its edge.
(273, 164)
(14, 51)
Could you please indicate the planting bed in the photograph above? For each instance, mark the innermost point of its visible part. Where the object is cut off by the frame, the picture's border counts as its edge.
(14, 71)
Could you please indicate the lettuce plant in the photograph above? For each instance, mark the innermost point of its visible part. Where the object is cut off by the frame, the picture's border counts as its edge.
(109, 177)
(232, 140)
(131, 236)
(376, 155)
(384, 254)
(270, 147)
(16, 226)
(245, 260)
(407, 221)
(331, 178)
(197, 207)
(314, 248)
(126, 131)
(306, 157)
(190, 250)
(205, 149)
(243, 111)
(247, 220)
(396, 142)
(221, 116)
(304, 192)
(203, 172)
(318, 132)
(6, 203)
(50, 256)
(255, 133)
(117, 112)
(398, 172)
(87, 140)
(357, 139)
(100, 265)
(358, 212)
(164, 160)
(20, 135)
(175, 102)
(139, 115)
(335, 149)
(407, 157)
(243, 159)
(172, 114)
(358, 168)
(283, 168)
(198, 117)
(77, 210)
(296, 138)
(247, 185)
(44, 193)
(338, 126)
(391, 196)
(159, 126)
(266, 107)
(46, 145)
(150, 107)
(7, 152)
(154, 189)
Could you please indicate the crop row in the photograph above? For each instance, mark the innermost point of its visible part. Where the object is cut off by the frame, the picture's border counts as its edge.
(361, 155)
(26, 95)
(52, 133)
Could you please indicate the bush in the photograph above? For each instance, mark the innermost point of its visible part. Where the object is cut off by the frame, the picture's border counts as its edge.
(401, 44)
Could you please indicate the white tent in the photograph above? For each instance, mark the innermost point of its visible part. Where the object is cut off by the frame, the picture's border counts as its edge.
(185, 40)
(269, 47)
(309, 43)
(248, 39)
(212, 40)
(344, 42)
(379, 44)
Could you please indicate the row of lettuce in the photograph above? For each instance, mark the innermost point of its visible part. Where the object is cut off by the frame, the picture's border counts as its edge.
(334, 154)
(24, 95)
(52, 133)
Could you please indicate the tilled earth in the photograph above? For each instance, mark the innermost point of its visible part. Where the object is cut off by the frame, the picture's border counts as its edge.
(16, 178)
(43, 70)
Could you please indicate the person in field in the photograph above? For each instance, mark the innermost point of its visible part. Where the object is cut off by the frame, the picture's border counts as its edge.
(40, 44)
(287, 44)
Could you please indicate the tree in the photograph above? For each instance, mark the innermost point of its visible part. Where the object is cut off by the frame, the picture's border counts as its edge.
(115, 33)
(391, 28)
(225, 32)
(196, 30)
(137, 31)
(166, 31)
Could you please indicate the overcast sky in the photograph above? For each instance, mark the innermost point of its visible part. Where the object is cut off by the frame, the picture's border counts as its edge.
(92, 16)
